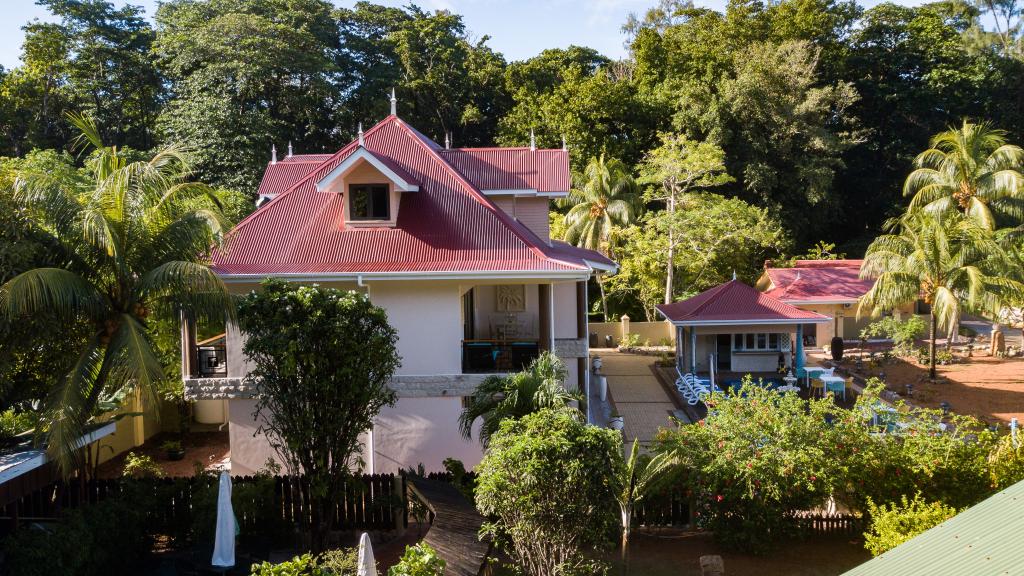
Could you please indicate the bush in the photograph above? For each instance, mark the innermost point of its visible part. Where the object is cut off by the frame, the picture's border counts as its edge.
(759, 457)
(630, 340)
(902, 332)
(340, 562)
(545, 481)
(305, 565)
(13, 423)
(1006, 464)
(109, 537)
(141, 466)
(837, 348)
(418, 560)
(894, 524)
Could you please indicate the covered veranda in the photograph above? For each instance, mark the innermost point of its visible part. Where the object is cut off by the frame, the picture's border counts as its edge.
(733, 329)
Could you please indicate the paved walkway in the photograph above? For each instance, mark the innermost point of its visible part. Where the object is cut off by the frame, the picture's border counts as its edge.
(637, 395)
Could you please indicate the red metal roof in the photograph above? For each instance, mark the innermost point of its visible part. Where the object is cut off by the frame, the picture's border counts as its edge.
(512, 168)
(734, 302)
(448, 225)
(282, 175)
(810, 281)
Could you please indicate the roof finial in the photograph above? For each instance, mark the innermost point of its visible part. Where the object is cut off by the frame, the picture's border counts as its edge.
(289, 148)
(361, 134)
(273, 154)
(564, 145)
(447, 141)
(733, 273)
(533, 141)
(394, 103)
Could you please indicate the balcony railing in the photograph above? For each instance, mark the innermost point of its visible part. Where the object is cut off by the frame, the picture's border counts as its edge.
(213, 361)
(497, 356)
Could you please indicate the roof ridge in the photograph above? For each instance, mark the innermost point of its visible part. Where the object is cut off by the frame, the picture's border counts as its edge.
(490, 148)
(503, 217)
(263, 209)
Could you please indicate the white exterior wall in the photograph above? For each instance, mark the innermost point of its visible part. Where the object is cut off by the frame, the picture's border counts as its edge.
(249, 450)
(422, 431)
(564, 295)
(428, 317)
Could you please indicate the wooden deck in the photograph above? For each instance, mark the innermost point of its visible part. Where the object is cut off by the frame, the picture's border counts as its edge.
(454, 533)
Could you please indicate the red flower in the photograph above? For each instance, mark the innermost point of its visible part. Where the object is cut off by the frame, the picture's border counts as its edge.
(719, 498)
(814, 478)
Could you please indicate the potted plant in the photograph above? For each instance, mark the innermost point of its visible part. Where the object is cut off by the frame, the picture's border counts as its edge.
(173, 449)
(617, 422)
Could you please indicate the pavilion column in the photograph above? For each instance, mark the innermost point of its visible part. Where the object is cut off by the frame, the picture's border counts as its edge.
(581, 333)
(189, 352)
(693, 350)
(545, 312)
(799, 348)
(680, 349)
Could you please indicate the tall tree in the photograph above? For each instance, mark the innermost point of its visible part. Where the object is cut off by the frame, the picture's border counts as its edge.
(971, 169)
(677, 167)
(950, 262)
(322, 359)
(246, 74)
(608, 199)
(135, 235)
(109, 69)
(446, 82)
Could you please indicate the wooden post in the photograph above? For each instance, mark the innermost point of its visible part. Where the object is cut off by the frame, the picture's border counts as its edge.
(546, 321)
(625, 326)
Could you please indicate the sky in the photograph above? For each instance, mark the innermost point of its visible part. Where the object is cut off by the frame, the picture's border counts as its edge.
(519, 29)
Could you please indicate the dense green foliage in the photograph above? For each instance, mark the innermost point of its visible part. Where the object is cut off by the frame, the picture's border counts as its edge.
(418, 560)
(545, 482)
(322, 359)
(132, 234)
(894, 523)
(903, 333)
(761, 456)
(541, 385)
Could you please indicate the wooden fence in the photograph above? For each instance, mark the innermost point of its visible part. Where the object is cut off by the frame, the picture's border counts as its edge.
(824, 523)
(369, 502)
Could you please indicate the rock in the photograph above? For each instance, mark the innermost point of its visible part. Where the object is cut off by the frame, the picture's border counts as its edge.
(712, 565)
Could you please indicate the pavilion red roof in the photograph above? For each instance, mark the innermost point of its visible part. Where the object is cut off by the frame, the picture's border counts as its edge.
(735, 302)
(447, 226)
(819, 281)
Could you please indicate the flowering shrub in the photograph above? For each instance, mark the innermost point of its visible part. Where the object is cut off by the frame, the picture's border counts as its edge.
(418, 560)
(760, 456)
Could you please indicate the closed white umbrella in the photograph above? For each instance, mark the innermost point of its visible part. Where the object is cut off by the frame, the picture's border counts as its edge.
(227, 527)
(367, 565)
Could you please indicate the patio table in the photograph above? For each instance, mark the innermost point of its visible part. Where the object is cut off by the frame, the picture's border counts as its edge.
(834, 384)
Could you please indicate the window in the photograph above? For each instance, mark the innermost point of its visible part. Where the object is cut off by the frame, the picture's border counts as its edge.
(369, 202)
(757, 342)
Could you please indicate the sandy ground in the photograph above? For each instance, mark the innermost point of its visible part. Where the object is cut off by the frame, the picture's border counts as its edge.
(991, 389)
(208, 448)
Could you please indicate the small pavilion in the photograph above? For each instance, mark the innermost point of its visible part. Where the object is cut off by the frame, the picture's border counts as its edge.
(735, 328)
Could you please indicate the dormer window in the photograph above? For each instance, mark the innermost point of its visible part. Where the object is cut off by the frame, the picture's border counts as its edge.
(369, 202)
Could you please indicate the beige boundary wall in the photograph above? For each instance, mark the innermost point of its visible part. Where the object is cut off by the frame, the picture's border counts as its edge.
(652, 331)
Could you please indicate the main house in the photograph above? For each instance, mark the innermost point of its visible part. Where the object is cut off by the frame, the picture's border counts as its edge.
(452, 243)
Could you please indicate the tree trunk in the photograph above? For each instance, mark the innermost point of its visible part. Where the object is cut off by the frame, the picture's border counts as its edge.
(931, 344)
(627, 520)
(604, 299)
(670, 264)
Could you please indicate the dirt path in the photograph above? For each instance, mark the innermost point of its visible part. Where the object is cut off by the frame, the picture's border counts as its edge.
(637, 395)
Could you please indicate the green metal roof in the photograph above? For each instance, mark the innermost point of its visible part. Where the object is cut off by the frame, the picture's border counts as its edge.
(986, 539)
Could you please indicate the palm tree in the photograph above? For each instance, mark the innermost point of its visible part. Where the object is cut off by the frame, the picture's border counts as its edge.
(634, 479)
(949, 261)
(136, 235)
(608, 198)
(971, 169)
(541, 385)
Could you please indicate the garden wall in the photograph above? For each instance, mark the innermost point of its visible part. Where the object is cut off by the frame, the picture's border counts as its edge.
(655, 332)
